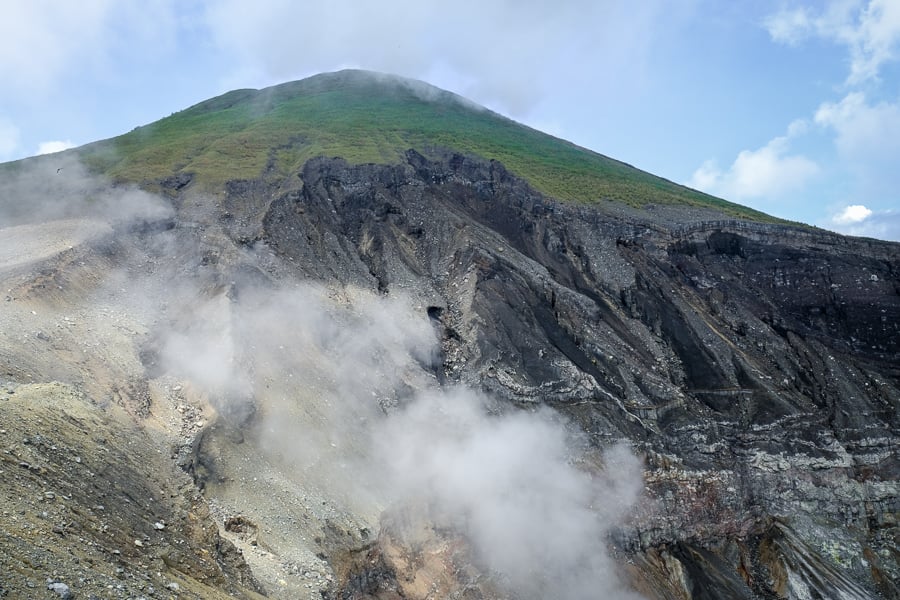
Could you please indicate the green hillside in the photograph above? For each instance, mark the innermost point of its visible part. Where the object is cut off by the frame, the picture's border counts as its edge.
(365, 117)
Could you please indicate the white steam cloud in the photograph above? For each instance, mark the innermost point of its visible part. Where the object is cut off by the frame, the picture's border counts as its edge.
(344, 385)
(53, 204)
(510, 484)
(59, 187)
(341, 387)
(201, 346)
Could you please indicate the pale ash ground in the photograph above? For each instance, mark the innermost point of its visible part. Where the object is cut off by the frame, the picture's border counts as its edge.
(61, 320)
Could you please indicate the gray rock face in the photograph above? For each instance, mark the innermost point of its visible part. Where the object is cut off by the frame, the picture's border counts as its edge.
(756, 366)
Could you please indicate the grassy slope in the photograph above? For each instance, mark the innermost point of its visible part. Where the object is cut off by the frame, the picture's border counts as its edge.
(365, 118)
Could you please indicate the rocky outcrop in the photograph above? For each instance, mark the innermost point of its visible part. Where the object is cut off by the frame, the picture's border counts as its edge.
(754, 365)
(754, 368)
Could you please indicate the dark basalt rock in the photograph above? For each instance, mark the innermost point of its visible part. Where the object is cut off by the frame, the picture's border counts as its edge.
(755, 365)
(177, 181)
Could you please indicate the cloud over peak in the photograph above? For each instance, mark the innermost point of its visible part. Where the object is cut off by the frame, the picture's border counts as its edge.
(513, 50)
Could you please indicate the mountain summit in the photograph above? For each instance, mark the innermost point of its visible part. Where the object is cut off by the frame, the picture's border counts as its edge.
(367, 117)
(354, 337)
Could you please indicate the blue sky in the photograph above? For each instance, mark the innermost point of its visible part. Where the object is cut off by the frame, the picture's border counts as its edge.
(789, 106)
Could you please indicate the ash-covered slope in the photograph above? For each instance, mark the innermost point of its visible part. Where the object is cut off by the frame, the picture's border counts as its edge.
(275, 334)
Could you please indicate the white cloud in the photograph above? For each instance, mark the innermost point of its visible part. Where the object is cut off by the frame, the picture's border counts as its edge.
(789, 25)
(867, 138)
(870, 31)
(54, 146)
(863, 130)
(43, 41)
(866, 133)
(40, 38)
(797, 128)
(706, 177)
(500, 53)
(52, 54)
(768, 172)
(854, 213)
(9, 139)
(837, 21)
(861, 221)
(877, 40)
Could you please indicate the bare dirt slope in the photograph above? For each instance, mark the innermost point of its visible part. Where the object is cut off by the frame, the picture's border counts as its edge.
(91, 502)
(122, 480)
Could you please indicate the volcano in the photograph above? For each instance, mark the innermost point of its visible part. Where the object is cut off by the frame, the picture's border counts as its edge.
(357, 337)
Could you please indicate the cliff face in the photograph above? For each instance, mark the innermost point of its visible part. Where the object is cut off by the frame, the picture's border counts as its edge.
(754, 368)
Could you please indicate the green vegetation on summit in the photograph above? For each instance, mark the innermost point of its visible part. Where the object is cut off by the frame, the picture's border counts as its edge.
(365, 117)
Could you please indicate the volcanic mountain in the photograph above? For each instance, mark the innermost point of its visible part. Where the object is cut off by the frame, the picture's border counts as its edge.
(358, 337)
